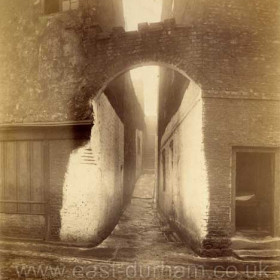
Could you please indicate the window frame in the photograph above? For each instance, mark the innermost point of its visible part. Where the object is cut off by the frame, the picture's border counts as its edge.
(60, 7)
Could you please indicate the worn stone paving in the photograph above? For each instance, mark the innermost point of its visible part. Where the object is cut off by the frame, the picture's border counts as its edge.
(140, 233)
(140, 247)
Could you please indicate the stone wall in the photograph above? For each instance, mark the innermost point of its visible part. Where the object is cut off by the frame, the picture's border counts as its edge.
(42, 60)
(93, 185)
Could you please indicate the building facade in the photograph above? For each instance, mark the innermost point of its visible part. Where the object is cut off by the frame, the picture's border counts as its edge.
(219, 145)
(50, 174)
(218, 121)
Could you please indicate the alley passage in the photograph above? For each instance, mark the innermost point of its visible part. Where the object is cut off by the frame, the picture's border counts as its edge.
(140, 235)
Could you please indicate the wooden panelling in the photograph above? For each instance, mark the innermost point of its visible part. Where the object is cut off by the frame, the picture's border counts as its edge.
(10, 176)
(37, 176)
(23, 178)
(2, 173)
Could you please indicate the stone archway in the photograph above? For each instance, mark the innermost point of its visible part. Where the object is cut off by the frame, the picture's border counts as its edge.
(84, 62)
(118, 72)
(95, 232)
(163, 44)
(80, 59)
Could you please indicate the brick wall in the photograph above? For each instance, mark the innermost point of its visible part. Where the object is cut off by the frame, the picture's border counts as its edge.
(232, 46)
(229, 123)
(240, 104)
(199, 194)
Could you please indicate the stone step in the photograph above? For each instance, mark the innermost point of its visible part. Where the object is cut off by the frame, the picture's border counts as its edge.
(243, 243)
(258, 254)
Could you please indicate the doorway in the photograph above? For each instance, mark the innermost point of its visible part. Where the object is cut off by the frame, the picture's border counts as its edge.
(254, 192)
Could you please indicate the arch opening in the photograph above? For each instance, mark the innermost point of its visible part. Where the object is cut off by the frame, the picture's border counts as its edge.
(160, 64)
(124, 143)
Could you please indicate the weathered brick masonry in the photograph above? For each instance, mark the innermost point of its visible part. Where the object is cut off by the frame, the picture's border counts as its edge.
(78, 59)
(240, 101)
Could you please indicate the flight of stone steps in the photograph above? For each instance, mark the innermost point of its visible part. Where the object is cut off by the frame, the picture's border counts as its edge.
(256, 249)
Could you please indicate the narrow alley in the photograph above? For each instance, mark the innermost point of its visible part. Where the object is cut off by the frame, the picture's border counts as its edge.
(140, 228)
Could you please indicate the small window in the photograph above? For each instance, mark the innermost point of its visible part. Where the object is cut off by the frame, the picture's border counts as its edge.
(138, 145)
(51, 6)
(163, 170)
(70, 5)
(55, 6)
(171, 153)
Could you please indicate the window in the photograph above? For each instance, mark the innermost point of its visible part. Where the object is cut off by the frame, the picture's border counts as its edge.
(70, 5)
(51, 6)
(55, 6)
(138, 145)
(163, 170)
(23, 175)
(171, 147)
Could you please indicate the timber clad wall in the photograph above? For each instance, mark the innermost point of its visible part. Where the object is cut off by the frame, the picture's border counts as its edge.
(35, 161)
(23, 187)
